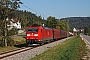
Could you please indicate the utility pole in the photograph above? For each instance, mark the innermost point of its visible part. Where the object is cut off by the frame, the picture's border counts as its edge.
(60, 27)
(67, 27)
(5, 39)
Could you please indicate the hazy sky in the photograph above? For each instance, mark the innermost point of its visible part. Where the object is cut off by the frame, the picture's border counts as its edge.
(58, 8)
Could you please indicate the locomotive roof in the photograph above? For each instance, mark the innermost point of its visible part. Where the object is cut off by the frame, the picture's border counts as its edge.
(47, 28)
(42, 27)
(36, 25)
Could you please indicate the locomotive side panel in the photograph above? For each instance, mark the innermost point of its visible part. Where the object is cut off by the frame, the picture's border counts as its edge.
(47, 34)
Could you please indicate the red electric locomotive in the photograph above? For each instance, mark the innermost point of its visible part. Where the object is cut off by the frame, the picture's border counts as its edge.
(38, 34)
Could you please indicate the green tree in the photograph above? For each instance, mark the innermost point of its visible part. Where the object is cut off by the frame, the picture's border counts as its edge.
(7, 7)
(51, 22)
(87, 31)
(24, 21)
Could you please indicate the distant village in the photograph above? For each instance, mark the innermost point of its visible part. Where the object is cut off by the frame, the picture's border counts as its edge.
(75, 30)
(15, 24)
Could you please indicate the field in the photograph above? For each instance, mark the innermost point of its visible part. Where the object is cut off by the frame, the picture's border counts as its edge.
(72, 49)
(19, 40)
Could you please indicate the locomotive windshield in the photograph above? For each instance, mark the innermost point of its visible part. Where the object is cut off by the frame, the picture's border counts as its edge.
(32, 29)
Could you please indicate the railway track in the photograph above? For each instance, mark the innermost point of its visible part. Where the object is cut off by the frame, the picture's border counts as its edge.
(13, 52)
(28, 52)
(16, 51)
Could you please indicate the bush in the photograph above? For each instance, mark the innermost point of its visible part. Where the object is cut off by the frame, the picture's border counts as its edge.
(10, 42)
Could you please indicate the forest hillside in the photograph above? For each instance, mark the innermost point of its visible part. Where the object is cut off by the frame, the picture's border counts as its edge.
(78, 22)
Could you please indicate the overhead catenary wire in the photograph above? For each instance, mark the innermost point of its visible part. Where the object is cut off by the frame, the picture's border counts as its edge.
(41, 14)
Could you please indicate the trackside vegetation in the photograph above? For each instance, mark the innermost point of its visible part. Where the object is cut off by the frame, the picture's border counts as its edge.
(14, 41)
(72, 49)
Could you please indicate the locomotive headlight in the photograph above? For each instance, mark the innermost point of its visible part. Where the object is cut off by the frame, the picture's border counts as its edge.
(28, 34)
(35, 34)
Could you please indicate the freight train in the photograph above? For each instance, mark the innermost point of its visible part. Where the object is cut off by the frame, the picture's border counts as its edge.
(37, 34)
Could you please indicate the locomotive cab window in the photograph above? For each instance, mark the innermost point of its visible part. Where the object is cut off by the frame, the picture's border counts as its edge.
(32, 29)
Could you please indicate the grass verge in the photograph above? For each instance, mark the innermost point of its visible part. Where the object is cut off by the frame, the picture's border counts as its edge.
(72, 49)
(3, 49)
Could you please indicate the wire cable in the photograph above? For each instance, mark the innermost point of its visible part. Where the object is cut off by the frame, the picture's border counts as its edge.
(34, 11)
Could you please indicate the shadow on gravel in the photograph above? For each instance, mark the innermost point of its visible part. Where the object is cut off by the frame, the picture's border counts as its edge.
(25, 45)
(20, 45)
